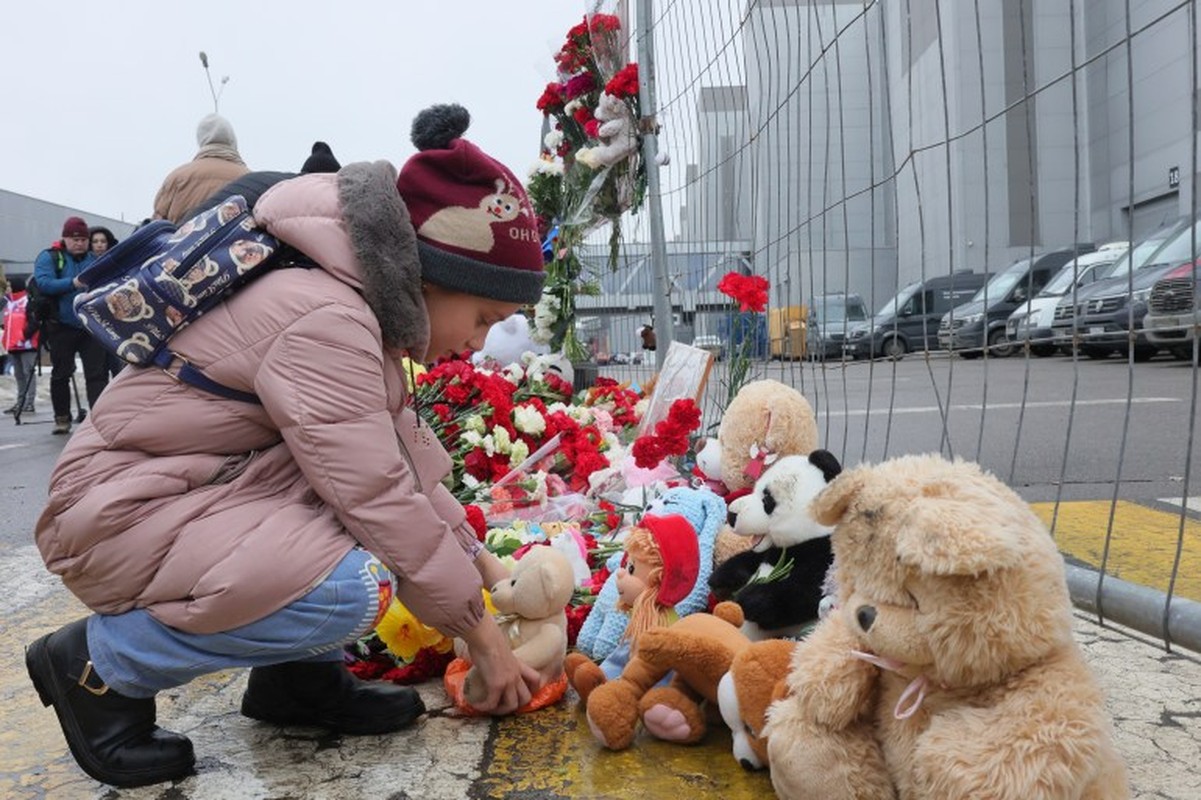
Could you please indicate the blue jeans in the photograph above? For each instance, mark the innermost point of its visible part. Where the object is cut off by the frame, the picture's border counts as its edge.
(138, 656)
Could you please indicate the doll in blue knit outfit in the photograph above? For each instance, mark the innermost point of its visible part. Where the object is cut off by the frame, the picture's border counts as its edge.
(602, 637)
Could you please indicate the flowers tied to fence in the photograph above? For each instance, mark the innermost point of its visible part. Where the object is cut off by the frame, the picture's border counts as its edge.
(748, 294)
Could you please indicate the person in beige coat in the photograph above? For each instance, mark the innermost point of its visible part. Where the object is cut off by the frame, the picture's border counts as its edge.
(215, 164)
(208, 533)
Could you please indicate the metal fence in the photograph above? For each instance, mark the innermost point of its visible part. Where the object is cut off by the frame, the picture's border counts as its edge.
(881, 164)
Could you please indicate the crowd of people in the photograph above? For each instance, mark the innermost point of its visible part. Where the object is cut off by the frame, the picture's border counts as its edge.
(205, 531)
(43, 319)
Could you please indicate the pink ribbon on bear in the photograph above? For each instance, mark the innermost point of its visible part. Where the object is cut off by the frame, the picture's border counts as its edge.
(915, 693)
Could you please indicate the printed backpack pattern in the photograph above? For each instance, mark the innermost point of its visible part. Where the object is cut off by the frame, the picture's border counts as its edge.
(159, 280)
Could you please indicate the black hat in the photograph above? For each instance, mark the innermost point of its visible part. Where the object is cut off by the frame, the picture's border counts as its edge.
(322, 160)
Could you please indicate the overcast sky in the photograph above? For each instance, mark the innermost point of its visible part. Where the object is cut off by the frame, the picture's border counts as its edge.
(99, 101)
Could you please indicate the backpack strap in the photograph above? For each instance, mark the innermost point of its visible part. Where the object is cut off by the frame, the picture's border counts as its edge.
(193, 376)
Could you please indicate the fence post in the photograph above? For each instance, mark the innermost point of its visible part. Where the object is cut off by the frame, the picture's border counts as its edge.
(664, 325)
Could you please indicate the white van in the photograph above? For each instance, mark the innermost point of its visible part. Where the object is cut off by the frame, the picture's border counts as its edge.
(1031, 321)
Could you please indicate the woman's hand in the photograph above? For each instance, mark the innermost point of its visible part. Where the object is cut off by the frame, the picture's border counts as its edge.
(508, 682)
(492, 570)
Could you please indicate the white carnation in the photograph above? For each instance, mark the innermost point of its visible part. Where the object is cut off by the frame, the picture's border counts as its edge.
(527, 420)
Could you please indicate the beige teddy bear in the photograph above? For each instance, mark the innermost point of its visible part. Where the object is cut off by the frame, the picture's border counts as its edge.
(948, 669)
(764, 421)
(532, 605)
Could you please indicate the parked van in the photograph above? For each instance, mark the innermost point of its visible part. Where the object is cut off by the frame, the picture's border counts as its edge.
(1111, 319)
(829, 319)
(1063, 326)
(971, 327)
(1174, 310)
(1031, 322)
(909, 321)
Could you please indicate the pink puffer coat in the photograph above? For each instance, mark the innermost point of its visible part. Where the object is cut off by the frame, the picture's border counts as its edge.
(213, 513)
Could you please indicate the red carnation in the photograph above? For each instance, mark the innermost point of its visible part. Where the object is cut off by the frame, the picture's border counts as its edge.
(552, 98)
(749, 291)
(624, 83)
(580, 84)
(475, 518)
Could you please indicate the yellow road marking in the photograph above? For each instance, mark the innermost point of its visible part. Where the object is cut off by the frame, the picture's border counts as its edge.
(1142, 548)
(551, 753)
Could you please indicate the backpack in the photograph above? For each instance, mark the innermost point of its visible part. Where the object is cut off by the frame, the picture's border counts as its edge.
(43, 308)
(163, 278)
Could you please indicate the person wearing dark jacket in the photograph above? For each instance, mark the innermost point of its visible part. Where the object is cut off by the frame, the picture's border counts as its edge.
(253, 185)
(57, 272)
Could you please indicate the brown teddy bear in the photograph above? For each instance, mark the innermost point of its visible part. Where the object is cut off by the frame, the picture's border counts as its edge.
(755, 680)
(948, 669)
(532, 605)
(699, 649)
(765, 420)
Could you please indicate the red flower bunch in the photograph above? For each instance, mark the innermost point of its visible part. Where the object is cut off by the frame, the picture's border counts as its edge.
(749, 291)
(553, 98)
(624, 83)
(475, 518)
(670, 437)
(619, 400)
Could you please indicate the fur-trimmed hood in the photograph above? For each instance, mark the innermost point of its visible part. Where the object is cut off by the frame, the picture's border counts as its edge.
(355, 226)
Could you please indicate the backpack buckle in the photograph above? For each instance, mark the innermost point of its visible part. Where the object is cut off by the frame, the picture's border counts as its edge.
(166, 368)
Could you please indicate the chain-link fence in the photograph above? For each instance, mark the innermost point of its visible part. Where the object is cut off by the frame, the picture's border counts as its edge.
(976, 222)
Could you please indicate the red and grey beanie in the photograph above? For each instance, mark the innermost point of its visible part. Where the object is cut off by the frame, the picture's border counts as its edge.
(476, 230)
(681, 554)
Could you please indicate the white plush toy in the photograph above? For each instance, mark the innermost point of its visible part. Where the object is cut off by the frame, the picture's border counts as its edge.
(616, 133)
(507, 341)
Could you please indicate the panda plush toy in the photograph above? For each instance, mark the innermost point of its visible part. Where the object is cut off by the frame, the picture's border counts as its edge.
(780, 580)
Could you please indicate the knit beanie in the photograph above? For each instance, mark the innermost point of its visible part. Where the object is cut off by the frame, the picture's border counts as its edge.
(476, 230)
(322, 160)
(678, 547)
(74, 226)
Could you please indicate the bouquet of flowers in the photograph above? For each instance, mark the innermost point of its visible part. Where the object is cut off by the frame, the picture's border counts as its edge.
(531, 463)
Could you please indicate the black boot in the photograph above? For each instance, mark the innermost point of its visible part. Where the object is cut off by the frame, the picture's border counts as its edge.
(324, 694)
(113, 737)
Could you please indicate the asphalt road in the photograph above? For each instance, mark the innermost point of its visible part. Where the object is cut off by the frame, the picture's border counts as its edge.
(1020, 418)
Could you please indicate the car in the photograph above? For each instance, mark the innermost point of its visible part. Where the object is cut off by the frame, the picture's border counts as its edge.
(830, 317)
(713, 344)
(1031, 322)
(970, 328)
(1063, 324)
(1115, 307)
(1173, 310)
(909, 321)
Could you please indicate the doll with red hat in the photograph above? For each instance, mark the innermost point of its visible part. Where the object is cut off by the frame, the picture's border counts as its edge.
(660, 568)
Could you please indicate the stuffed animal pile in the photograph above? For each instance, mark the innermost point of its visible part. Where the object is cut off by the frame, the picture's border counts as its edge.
(948, 669)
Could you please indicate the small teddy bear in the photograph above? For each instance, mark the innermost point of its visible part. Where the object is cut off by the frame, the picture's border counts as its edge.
(780, 580)
(765, 421)
(618, 138)
(532, 615)
(948, 668)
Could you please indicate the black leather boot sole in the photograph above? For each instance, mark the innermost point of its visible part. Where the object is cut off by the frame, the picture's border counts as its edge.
(112, 737)
(326, 695)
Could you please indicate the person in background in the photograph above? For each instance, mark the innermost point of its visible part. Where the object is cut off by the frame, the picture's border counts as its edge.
(103, 241)
(57, 271)
(215, 164)
(252, 185)
(22, 349)
(205, 533)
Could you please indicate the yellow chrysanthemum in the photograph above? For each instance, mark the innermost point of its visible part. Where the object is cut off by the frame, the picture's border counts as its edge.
(411, 371)
(405, 635)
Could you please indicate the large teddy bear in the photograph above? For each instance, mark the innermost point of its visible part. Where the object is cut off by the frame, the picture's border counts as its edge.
(765, 420)
(948, 669)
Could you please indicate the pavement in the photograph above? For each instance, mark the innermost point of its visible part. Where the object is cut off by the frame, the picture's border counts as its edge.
(1154, 696)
